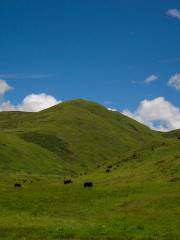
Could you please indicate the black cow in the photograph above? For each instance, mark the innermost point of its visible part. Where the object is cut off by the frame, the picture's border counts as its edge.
(108, 170)
(110, 166)
(17, 185)
(88, 184)
(67, 181)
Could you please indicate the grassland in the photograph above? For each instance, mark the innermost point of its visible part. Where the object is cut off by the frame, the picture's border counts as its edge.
(138, 199)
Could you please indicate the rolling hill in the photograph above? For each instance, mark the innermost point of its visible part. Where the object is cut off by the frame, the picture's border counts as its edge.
(138, 198)
(71, 136)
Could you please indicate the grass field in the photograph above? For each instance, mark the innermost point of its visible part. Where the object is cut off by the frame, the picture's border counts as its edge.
(138, 199)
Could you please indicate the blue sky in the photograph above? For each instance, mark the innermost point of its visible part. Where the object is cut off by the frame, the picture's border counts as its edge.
(99, 50)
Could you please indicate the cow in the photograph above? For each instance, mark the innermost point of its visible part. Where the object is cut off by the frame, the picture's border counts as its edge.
(17, 185)
(68, 181)
(108, 170)
(88, 184)
(110, 166)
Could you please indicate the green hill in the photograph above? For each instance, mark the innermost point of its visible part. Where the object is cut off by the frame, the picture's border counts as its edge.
(138, 198)
(71, 136)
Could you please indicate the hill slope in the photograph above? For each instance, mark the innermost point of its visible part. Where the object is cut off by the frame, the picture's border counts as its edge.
(71, 136)
(137, 199)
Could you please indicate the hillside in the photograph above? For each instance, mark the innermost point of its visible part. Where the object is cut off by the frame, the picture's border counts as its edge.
(72, 136)
(138, 199)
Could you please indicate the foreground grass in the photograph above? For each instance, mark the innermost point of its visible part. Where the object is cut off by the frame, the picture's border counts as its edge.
(112, 209)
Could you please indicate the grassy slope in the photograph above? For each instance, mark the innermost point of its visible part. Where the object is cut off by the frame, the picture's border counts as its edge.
(76, 135)
(138, 199)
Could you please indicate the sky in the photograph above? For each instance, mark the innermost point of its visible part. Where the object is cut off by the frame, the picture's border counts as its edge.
(123, 54)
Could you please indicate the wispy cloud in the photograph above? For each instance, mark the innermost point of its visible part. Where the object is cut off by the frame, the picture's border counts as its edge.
(137, 82)
(4, 87)
(150, 79)
(174, 12)
(174, 81)
(147, 80)
(23, 76)
(169, 60)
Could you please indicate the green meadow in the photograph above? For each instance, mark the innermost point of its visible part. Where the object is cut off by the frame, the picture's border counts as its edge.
(139, 199)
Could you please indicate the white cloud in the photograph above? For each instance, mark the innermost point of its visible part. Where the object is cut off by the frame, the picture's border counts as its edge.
(37, 102)
(175, 13)
(7, 106)
(31, 103)
(158, 114)
(4, 87)
(174, 81)
(150, 79)
(147, 80)
(24, 76)
(112, 109)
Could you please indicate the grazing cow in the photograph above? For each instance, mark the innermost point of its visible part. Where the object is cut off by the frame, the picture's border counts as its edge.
(110, 166)
(108, 170)
(17, 185)
(88, 184)
(67, 181)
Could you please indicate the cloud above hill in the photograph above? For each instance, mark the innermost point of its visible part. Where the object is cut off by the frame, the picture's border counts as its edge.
(4, 87)
(174, 12)
(174, 81)
(158, 114)
(37, 102)
(31, 103)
